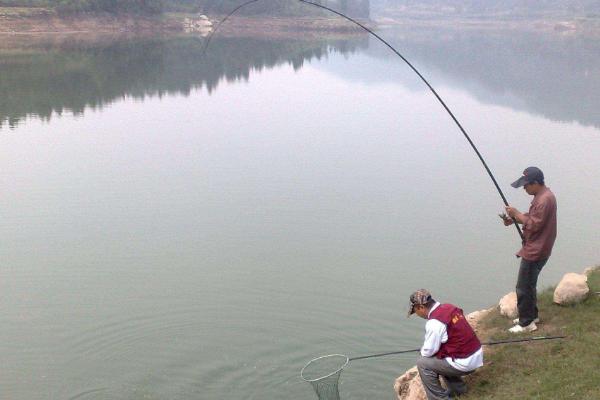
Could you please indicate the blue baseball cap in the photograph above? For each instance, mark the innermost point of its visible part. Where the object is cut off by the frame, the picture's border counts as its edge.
(530, 175)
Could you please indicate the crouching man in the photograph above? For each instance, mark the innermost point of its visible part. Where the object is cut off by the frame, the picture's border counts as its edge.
(451, 348)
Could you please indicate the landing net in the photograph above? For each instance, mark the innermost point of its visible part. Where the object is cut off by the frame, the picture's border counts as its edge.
(323, 373)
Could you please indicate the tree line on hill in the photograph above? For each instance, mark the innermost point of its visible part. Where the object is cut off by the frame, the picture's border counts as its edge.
(358, 8)
(490, 7)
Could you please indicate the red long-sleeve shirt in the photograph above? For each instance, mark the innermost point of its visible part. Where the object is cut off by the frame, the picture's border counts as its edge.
(539, 227)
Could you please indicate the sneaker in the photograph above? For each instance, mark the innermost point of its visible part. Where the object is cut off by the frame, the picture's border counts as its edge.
(516, 321)
(522, 329)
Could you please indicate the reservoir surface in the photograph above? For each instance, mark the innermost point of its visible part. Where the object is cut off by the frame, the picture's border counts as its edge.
(174, 226)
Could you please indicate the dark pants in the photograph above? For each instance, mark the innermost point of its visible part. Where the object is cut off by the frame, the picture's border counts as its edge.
(430, 370)
(526, 290)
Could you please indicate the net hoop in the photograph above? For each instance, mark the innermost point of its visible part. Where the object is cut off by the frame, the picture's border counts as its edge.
(328, 375)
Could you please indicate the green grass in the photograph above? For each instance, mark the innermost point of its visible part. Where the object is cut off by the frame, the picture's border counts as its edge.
(554, 369)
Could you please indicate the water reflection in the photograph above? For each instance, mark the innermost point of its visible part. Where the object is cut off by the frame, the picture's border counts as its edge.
(552, 75)
(549, 74)
(72, 76)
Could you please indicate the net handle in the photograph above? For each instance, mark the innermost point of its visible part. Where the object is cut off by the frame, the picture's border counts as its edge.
(328, 375)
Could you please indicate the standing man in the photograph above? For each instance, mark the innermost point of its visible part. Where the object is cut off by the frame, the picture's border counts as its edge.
(539, 232)
(451, 348)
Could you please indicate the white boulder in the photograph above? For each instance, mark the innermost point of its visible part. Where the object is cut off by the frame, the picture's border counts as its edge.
(572, 289)
(508, 305)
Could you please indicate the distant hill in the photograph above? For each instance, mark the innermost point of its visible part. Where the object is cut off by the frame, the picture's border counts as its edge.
(353, 8)
(521, 7)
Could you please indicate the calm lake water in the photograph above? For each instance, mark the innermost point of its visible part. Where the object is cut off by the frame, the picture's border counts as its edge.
(180, 228)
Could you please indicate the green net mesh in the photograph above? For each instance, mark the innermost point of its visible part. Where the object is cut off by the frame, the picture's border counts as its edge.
(323, 373)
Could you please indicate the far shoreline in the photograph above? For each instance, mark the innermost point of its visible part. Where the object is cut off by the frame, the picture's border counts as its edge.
(40, 22)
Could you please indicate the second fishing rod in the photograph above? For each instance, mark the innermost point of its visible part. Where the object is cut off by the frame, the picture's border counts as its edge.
(509, 341)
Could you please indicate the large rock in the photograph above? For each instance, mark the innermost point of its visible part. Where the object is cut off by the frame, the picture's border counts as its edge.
(476, 316)
(409, 386)
(508, 305)
(572, 289)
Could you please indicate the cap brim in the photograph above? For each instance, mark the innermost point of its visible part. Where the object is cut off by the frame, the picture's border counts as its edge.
(411, 310)
(520, 182)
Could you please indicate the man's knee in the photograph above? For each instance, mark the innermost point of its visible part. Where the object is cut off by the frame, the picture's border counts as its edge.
(421, 363)
(426, 365)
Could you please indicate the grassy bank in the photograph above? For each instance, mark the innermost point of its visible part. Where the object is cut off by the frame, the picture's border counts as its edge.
(557, 369)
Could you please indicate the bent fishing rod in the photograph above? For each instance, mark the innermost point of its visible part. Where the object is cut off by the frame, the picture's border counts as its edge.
(532, 339)
(411, 67)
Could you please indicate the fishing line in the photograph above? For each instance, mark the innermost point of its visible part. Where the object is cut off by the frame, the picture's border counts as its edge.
(409, 64)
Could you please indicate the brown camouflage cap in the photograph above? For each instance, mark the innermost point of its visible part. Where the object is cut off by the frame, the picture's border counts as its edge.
(420, 297)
